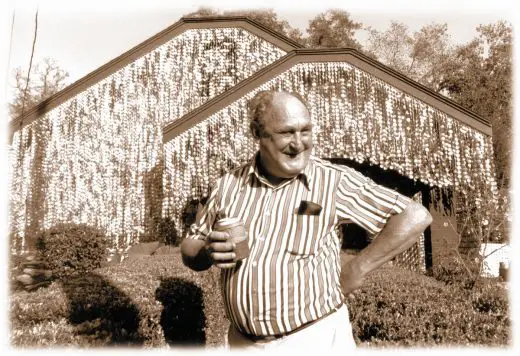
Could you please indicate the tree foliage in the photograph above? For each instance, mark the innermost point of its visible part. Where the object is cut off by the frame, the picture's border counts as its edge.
(333, 28)
(420, 55)
(270, 19)
(266, 17)
(46, 79)
(203, 12)
(479, 77)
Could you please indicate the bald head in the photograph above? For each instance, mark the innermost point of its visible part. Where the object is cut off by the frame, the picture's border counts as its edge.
(264, 102)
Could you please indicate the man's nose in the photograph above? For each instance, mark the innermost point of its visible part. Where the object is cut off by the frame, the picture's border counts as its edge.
(296, 141)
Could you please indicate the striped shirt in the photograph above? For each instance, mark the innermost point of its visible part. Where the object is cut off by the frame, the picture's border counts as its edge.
(292, 275)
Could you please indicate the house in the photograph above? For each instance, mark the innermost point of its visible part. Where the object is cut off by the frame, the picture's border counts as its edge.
(141, 137)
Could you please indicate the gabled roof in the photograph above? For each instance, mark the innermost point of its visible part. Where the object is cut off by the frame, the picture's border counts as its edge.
(185, 23)
(352, 56)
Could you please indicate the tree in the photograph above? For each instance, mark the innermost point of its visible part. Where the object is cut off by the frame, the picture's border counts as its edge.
(479, 77)
(46, 79)
(333, 28)
(270, 19)
(420, 55)
(266, 17)
(391, 47)
(203, 12)
(431, 49)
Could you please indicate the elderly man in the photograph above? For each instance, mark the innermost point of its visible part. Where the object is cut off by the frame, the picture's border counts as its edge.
(290, 291)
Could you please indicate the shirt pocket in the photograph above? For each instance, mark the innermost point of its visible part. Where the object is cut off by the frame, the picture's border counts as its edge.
(305, 236)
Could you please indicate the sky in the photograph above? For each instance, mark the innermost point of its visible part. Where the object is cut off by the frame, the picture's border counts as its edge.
(83, 35)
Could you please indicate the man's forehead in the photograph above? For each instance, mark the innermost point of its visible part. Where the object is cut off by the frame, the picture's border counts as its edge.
(282, 99)
(286, 105)
(276, 123)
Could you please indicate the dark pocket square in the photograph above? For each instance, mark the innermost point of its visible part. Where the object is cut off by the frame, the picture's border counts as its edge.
(309, 208)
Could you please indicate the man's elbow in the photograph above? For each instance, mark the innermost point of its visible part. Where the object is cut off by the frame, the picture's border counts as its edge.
(421, 217)
(194, 255)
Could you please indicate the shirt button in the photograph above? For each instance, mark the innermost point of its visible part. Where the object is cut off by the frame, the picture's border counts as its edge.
(261, 238)
(254, 263)
(267, 213)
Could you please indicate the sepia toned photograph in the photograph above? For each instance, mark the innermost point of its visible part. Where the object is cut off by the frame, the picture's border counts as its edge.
(214, 177)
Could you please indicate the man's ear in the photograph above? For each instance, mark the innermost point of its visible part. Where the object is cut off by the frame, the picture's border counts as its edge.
(255, 130)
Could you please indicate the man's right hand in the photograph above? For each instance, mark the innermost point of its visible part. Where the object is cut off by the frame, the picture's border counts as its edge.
(221, 249)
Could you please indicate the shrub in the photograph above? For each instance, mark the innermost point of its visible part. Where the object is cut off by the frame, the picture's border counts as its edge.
(152, 302)
(452, 269)
(168, 233)
(158, 302)
(70, 249)
(42, 305)
(163, 231)
(400, 307)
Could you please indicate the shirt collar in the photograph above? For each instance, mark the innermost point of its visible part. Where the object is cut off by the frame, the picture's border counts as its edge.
(306, 175)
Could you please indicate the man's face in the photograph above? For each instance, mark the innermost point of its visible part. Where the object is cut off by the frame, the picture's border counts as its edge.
(286, 143)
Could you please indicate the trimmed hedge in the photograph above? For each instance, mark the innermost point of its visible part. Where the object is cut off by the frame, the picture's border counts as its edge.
(69, 249)
(151, 302)
(156, 301)
(398, 307)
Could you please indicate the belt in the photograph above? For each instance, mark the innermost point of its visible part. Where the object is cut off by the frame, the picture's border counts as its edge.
(267, 338)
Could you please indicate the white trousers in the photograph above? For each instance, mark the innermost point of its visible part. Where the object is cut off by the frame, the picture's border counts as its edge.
(333, 334)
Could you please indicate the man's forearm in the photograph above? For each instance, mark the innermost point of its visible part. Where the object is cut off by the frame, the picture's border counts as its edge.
(195, 255)
(399, 234)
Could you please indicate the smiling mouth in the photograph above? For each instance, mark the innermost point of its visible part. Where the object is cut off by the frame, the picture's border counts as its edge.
(292, 154)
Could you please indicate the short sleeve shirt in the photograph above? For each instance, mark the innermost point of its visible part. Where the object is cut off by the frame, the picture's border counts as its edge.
(292, 275)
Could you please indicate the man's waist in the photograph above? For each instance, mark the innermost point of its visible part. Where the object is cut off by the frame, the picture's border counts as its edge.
(267, 338)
